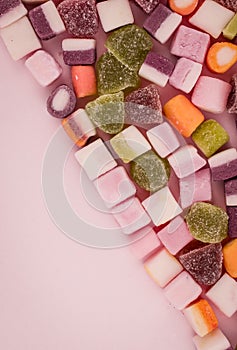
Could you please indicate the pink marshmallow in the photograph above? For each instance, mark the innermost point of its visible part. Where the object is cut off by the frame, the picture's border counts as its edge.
(195, 188)
(182, 291)
(146, 246)
(115, 187)
(175, 235)
(211, 94)
(43, 67)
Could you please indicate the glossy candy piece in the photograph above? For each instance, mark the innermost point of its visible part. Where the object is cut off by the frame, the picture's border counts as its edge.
(43, 67)
(204, 264)
(162, 267)
(80, 17)
(79, 51)
(147, 5)
(209, 137)
(61, 102)
(20, 38)
(221, 57)
(215, 22)
(162, 23)
(183, 115)
(231, 192)
(230, 258)
(232, 99)
(150, 172)
(107, 112)
(84, 80)
(146, 246)
(143, 107)
(227, 287)
(215, 340)
(156, 68)
(224, 164)
(190, 43)
(11, 11)
(229, 4)
(211, 94)
(232, 213)
(183, 7)
(201, 317)
(207, 222)
(79, 127)
(130, 45)
(46, 20)
(107, 10)
(230, 30)
(113, 76)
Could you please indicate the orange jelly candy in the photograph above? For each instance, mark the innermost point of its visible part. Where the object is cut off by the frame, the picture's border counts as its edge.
(230, 258)
(84, 80)
(221, 57)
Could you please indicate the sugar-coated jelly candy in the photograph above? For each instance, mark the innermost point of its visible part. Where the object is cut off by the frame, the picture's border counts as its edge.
(229, 4)
(147, 5)
(107, 112)
(130, 45)
(230, 30)
(143, 107)
(223, 164)
(84, 80)
(113, 76)
(210, 136)
(150, 171)
(215, 340)
(79, 127)
(11, 11)
(232, 99)
(221, 57)
(183, 7)
(107, 10)
(204, 264)
(232, 213)
(80, 17)
(207, 222)
(78, 51)
(231, 192)
(61, 102)
(230, 258)
(201, 317)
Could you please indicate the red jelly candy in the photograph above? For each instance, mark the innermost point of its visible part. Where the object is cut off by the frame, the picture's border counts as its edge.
(80, 17)
(204, 264)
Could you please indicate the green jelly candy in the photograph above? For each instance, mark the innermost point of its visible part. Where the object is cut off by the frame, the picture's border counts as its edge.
(130, 45)
(113, 76)
(107, 112)
(150, 171)
(230, 31)
(209, 137)
(207, 223)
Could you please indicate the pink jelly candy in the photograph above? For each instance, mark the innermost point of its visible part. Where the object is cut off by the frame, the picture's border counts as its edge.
(204, 264)
(80, 17)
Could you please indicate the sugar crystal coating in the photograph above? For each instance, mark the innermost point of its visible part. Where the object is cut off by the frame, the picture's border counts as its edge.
(61, 102)
(80, 17)
(150, 171)
(143, 106)
(107, 112)
(232, 99)
(113, 76)
(147, 5)
(130, 45)
(207, 223)
(204, 264)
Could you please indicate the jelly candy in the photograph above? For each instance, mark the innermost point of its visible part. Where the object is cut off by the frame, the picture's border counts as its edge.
(207, 223)
(130, 45)
(143, 106)
(230, 31)
(232, 99)
(113, 76)
(150, 171)
(107, 112)
(147, 5)
(209, 137)
(204, 264)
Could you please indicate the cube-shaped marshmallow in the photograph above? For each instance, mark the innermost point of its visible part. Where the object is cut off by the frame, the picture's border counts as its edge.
(190, 43)
(215, 340)
(182, 291)
(185, 74)
(224, 295)
(130, 215)
(78, 52)
(107, 10)
(95, 159)
(211, 94)
(162, 267)
(11, 11)
(215, 22)
(162, 206)
(224, 164)
(175, 235)
(146, 246)
(231, 192)
(129, 144)
(163, 139)
(20, 38)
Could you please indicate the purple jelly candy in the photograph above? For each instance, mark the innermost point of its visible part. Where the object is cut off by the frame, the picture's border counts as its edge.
(160, 63)
(154, 21)
(79, 51)
(61, 102)
(232, 213)
(147, 5)
(143, 107)
(232, 100)
(204, 264)
(80, 17)
(8, 5)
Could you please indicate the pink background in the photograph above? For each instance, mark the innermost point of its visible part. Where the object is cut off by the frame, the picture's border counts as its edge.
(56, 293)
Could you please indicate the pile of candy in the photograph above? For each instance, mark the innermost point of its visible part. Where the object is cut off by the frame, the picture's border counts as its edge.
(193, 252)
